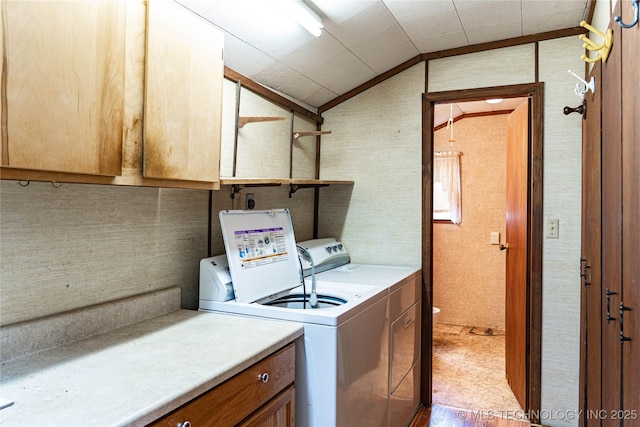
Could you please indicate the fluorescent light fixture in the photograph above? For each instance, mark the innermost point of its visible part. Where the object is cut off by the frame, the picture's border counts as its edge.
(494, 101)
(302, 14)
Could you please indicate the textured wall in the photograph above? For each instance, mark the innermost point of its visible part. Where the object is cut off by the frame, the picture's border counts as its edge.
(497, 67)
(562, 200)
(300, 205)
(469, 272)
(263, 149)
(376, 141)
(79, 245)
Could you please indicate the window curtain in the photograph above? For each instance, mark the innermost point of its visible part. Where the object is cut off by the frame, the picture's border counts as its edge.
(446, 171)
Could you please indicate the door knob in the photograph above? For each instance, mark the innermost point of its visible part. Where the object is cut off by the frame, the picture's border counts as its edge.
(504, 247)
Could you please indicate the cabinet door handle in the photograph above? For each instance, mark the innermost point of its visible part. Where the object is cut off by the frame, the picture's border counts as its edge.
(263, 377)
(623, 308)
(609, 293)
(583, 271)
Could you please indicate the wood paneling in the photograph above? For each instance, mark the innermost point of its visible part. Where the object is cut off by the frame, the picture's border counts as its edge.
(619, 348)
(516, 319)
(591, 286)
(610, 251)
(630, 100)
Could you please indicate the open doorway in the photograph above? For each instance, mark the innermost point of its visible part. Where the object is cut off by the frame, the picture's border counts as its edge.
(530, 310)
(471, 141)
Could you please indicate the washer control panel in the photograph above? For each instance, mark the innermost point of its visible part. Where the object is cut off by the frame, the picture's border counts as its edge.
(326, 253)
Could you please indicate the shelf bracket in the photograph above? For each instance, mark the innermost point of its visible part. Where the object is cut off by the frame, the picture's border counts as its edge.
(236, 188)
(295, 187)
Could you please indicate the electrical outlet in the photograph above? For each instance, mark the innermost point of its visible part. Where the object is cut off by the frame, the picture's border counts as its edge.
(251, 202)
(553, 229)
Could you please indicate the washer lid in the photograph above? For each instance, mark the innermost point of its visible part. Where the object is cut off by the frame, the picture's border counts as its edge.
(261, 251)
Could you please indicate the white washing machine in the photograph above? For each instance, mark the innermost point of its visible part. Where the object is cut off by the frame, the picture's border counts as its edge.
(342, 362)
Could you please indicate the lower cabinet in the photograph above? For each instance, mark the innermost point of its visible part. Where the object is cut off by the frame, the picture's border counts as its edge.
(261, 395)
(278, 412)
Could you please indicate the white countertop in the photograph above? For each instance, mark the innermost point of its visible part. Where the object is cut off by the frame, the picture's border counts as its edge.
(136, 374)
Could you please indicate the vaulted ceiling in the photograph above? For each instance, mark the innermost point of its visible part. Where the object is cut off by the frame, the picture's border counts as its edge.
(365, 38)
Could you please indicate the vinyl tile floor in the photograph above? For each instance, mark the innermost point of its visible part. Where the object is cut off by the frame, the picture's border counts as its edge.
(469, 371)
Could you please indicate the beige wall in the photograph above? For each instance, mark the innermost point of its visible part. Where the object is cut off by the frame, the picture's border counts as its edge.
(78, 245)
(263, 149)
(377, 143)
(469, 272)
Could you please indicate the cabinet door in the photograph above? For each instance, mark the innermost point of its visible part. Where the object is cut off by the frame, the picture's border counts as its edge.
(183, 95)
(280, 411)
(63, 75)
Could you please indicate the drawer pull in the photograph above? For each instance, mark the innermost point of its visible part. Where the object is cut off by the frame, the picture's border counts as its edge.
(184, 424)
(263, 377)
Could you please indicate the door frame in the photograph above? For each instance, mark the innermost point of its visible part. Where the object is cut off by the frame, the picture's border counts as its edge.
(534, 234)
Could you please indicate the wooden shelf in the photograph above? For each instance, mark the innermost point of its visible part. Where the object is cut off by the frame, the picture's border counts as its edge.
(255, 119)
(238, 184)
(256, 182)
(300, 134)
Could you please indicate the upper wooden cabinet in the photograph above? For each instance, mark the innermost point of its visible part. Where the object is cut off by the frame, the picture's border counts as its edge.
(63, 85)
(183, 95)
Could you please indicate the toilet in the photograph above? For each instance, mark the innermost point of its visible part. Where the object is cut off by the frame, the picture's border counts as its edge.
(436, 315)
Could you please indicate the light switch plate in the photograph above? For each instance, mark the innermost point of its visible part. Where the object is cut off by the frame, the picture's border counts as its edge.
(495, 237)
(552, 230)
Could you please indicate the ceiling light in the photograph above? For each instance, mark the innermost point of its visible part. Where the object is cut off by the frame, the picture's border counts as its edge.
(302, 14)
(494, 101)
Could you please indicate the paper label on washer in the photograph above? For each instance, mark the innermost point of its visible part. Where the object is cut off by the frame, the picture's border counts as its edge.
(261, 247)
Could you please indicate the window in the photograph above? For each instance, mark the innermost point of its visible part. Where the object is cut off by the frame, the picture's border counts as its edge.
(447, 204)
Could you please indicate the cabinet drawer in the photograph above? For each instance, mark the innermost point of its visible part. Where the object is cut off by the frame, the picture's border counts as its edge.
(238, 397)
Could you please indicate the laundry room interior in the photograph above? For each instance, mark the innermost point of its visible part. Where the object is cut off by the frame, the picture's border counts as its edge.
(95, 263)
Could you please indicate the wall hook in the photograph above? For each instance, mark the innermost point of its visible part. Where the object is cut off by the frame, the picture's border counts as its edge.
(582, 109)
(604, 48)
(618, 18)
(590, 86)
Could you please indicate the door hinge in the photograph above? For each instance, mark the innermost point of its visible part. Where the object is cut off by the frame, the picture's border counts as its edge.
(583, 271)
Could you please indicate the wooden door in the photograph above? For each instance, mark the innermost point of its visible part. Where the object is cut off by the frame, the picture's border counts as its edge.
(63, 85)
(516, 317)
(183, 95)
(630, 326)
(590, 264)
(611, 230)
